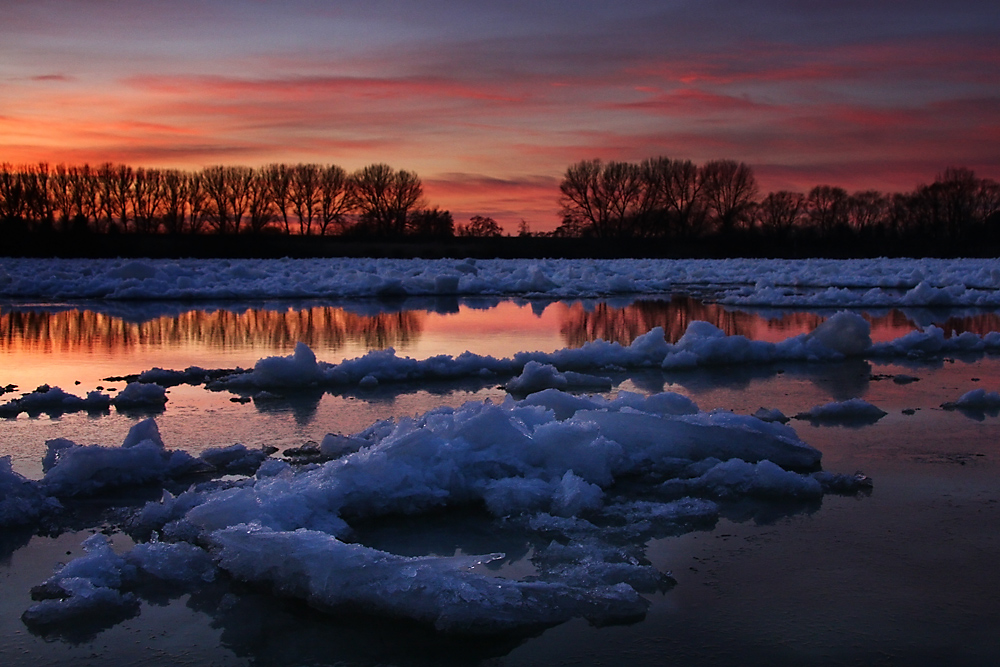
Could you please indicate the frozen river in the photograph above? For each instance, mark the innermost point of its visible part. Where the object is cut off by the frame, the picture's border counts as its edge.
(722, 564)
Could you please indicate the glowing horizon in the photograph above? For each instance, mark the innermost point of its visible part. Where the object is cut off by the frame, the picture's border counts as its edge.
(490, 105)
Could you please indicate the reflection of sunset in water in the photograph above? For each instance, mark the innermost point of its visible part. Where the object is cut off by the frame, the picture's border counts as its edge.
(500, 330)
(270, 330)
(623, 325)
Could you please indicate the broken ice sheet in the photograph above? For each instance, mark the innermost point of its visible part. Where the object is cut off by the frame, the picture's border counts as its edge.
(593, 477)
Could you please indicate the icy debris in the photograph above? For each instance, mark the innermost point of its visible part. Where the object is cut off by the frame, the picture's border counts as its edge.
(736, 478)
(234, 459)
(335, 445)
(770, 415)
(54, 401)
(440, 591)
(22, 500)
(977, 400)
(96, 585)
(87, 585)
(78, 470)
(855, 411)
(536, 377)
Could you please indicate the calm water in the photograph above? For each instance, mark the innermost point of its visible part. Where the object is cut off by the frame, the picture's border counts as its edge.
(904, 576)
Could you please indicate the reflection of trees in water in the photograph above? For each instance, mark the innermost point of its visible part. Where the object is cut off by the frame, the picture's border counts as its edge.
(623, 325)
(326, 327)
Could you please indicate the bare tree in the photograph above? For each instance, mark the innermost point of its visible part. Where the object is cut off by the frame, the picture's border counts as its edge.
(335, 200)
(12, 195)
(675, 190)
(147, 198)
(826, 208)
(304, 193)
(431, 223)
(260, 206)
(780, 212)
(730, 189)
(608, 197)
(479, 226)
(867, 210)
(227, 190)
(384, 197)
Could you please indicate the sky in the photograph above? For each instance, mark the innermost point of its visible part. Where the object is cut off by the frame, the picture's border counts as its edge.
(490, 102)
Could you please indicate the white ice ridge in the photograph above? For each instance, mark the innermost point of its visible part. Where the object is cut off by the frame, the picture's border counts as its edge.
(807, 282)
(549, 461)
(842, 335)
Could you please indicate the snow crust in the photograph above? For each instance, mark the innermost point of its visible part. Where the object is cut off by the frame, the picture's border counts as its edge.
(548, 463)
(757, 282)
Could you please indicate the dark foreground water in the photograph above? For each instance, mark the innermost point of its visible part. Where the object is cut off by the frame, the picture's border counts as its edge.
(905, 575)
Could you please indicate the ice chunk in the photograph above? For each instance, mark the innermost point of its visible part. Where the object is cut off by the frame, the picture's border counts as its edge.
(82, 470)
(145, 430)
(439, 591)
(770, 415)
(846, 332)
(54, 401)
(853, 412)
(234, 459)
(977, 399)
(21, 500)
(738, 479)
(297, 370)
(140, 395)
(536, 377)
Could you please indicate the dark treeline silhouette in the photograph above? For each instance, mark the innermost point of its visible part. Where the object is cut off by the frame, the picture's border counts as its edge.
(676, 199)
(303, 199)
(660, 207)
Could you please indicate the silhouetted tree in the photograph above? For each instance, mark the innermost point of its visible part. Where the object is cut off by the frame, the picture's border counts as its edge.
(867, 210)
(279, 184)
(260, 205)
(335, 199)
(304, 194)
(826, 208)
(729, 187)
(603, 198)
(481, 227)
(384, 198)
(147, 197)
(675, 197)
(781, 212)
(431, 223)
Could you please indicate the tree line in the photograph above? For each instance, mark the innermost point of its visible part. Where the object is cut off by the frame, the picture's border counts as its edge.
(304, 199)
(659, 198)
(677, 199)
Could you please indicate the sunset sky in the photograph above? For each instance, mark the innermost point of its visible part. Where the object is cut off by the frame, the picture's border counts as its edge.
(490, 102)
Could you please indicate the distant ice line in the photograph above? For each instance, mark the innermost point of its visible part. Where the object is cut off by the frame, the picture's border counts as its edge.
(759, 282)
